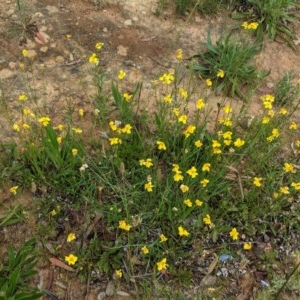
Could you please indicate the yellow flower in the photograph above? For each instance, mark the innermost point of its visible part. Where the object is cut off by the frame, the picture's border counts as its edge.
(207, 220)
(99, 45)
(182, 119)
(289, 168)
(208, 82)
(188, 202)
(204, 182)
(167, 78)
(74, 152)
(115, 141)
(175, 168)
(192, 172)
(53, 213)
(234, 234)
(239, 143)
(198, 202)
(257, 181)
(250, 26)
(182, 231)
(190, 130)
(77, 130)
(162, 265)
(146, 162)
(247, 246)
(71, 259)
(227, 122)
(149, 186)
(227, 135)
(127, 97)
(293, 126)
(123, 225)
(265, 120)
(94, 59)
(119, 273)
(80, 112)
(168, 98)
(176, 111)
(68, 36)
(163, 238)
(26, 126)
(121, 74)
(284, 190)
(71, 237)
(24, 52)
(296, 185)
(216, 144)
(161, 145)
(282, 111)
(227, 109)
(198, 144)
(184, 188)
(206, 167)
(220, 73)
(44, 121)
(253, 25)
(126, 129)
(113, 126)
(16, 127)
(200, 104)
(59, 139)
(178, 177)
(145, 250)
(179, 54)
(22, 97)
(13, 190)
(183, 93)
(60, 127)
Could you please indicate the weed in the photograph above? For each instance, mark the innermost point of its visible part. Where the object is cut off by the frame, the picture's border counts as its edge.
(13, 216)
(16, 273)
(228, 65)
(286, 90)
(275, 17)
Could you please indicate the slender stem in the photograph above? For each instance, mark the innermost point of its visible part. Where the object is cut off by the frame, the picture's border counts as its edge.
(287, 280)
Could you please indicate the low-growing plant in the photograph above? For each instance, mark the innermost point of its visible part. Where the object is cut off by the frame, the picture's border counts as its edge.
(275, 17)
(287, 89)
(228, 65)
(17, 271)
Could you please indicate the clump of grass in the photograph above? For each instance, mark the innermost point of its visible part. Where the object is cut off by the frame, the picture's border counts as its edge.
(286, 89)
(228, 65)
(275, 18)
(17, 271)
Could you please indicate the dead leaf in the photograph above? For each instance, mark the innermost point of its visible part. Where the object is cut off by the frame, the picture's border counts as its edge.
(61, 264)
(213, 264)
(39, 37)
(246, 284)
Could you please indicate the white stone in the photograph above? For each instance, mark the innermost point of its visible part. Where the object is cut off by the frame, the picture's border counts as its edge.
(12, 65)
(101, 296)
(44, 49)
(5, 73)
(121, 50)
(128, 22)
(110, 289)
(52, 9)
